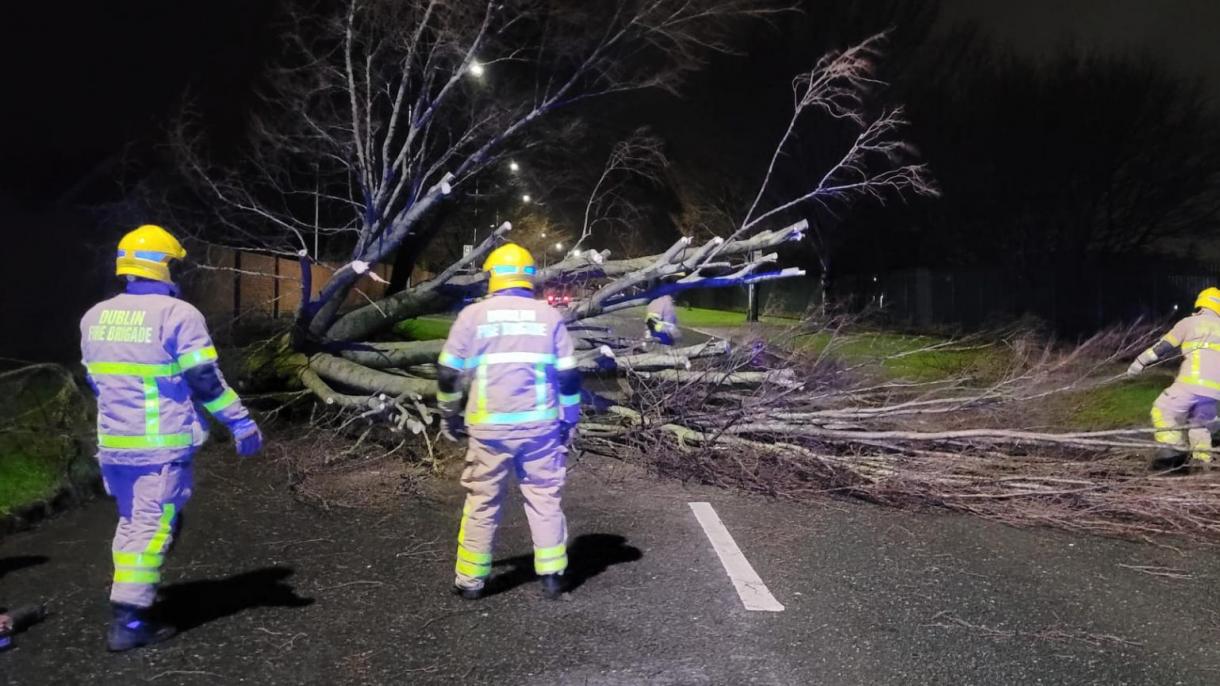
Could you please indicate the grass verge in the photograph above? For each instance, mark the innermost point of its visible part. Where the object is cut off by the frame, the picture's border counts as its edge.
(424, 328)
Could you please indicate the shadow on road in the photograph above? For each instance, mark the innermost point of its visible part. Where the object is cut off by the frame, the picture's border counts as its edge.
(588, 556)
(193, 603)
(12, 564)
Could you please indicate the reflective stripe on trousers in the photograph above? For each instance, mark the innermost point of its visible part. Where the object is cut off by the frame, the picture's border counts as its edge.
(539, 464)
(1182, 420)
(150, 501)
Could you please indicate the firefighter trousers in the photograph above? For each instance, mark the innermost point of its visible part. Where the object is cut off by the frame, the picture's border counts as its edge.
(150, 501)
(1177, 407)
(539, 463)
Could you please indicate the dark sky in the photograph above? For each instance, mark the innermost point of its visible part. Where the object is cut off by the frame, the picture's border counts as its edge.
(83, 78)
(1185, 32)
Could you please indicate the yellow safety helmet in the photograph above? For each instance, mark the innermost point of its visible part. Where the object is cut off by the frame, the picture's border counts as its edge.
(511, 266)
(146, 253)
(1209, 299)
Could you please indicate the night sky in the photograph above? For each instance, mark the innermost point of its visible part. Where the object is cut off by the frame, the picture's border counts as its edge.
(1184, 32)
(87, 80)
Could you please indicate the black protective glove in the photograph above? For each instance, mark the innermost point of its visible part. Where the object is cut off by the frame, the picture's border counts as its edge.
(453, 427)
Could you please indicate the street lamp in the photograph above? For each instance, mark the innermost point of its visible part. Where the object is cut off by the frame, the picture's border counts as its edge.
(476, 69)
(559, 247)
(513, 166)
(525, 198)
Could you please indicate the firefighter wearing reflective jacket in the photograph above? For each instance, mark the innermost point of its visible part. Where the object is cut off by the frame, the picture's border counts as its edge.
(514, 355)
(1184, 412)
(661, 321)
(151, 363)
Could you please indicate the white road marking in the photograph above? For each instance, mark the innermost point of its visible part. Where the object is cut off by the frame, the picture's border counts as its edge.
(753, 592)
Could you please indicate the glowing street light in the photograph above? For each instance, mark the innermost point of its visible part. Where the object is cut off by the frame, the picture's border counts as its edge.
(559, 246)
(525, 198)
(476, 69)
(544, 234)
(513, 166)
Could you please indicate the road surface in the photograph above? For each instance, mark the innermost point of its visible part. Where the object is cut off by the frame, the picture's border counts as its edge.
(272, 591)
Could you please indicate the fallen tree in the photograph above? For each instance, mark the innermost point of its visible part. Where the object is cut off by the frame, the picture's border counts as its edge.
(948, 443)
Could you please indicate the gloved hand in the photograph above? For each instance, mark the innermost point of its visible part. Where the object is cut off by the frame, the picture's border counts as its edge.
(567, 433)
(453, 428)
(246, 437)
(1135, 369)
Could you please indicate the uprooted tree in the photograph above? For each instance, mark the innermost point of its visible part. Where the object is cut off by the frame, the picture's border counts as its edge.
(378, 117)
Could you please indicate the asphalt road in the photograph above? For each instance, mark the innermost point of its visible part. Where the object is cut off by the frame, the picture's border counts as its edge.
(271, 591)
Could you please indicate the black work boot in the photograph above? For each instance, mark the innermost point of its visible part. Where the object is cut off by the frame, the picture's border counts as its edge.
(468, 593)
(131, 628)
(1168, 459)
(552, 586)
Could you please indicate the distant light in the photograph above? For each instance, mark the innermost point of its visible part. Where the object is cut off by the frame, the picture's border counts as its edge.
(513, 166)
(1175, 308)
(476, 69)
(525, 198)
(544, 234)
(559, 246)
(874, 279)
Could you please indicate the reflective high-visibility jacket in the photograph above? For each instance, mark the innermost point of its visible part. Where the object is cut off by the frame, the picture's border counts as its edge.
(1198, 336)
(662, 316)
(513, 350)
(151, 362)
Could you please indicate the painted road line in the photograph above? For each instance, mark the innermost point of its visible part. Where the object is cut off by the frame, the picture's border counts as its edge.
(753, 592)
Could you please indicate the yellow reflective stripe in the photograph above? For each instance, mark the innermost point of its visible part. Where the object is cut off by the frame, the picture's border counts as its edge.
(157, 543)
(541, 388)
(452, 361)
(138, 442)
(132, 369)
(444, 397)
(1197, 381)
(1171, 340)
(462, 526)
(565, 363)
(137, 576)
(152, 409)
(1196, 345)
(480, 383)
(551, 560)
(224, 400)
(468, 569)
(197, 357)
(1173, 438)
(569, 400)
(553, 551)
(123, 558)
(548, 415)
(473, 557)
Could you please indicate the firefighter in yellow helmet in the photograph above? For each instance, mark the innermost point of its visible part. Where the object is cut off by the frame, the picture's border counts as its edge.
(514, 353)
(1184, 412)
(151, 363)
